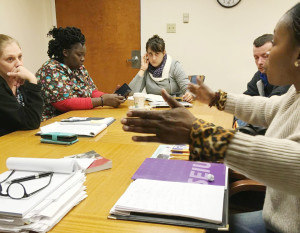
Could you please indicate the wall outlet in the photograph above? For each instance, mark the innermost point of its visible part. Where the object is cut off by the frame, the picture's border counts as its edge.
(185, 17)
(171, 28)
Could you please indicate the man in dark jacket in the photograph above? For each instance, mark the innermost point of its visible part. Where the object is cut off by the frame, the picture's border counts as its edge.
(259, 85)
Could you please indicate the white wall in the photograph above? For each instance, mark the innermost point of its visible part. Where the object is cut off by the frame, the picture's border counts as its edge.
(217, 42)
(28, 21)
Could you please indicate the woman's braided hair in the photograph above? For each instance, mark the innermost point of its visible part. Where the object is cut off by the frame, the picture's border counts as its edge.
(63, 38)
(294, 22)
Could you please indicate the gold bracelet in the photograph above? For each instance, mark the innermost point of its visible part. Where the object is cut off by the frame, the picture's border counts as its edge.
(214, 100)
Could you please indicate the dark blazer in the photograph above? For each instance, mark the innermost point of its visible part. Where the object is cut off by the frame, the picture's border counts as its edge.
(269, 89)
(14, 116)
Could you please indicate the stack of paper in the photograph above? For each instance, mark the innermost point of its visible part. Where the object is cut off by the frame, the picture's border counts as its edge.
(41, 211)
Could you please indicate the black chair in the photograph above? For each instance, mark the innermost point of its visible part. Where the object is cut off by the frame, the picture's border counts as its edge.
(245, 194)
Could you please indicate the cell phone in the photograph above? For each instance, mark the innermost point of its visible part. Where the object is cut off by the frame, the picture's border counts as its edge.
(124, 90)
(59, 138)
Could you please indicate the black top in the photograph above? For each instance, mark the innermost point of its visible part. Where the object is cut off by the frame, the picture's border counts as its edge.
(14, 116)
(269, 89)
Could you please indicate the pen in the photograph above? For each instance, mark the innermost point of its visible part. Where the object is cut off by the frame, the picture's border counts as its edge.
(40, 175)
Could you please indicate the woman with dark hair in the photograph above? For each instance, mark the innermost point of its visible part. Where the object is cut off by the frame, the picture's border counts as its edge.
(21, 103)
(273, 159)
(158, 70)
(66, 83)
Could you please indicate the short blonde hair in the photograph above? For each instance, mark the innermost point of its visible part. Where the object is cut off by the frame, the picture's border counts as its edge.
(4, 40)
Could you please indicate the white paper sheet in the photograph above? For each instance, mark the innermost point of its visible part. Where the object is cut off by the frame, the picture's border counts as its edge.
(202, 202)
(41, 164)
(152, 97)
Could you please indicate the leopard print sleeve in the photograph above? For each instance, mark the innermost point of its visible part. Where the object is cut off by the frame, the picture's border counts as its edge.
(209, 142)
(219, 100)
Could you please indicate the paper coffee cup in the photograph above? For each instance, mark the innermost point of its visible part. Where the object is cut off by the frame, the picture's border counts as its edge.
(139, 100)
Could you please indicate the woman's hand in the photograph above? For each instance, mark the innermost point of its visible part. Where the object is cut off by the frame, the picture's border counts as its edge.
(201, 91)
(144, 62)
(118, 87)
(170, 126)
(113, 100)
(188, 97)
(20, 74)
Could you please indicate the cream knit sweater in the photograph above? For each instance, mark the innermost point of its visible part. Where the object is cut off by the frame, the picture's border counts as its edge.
(274, 159)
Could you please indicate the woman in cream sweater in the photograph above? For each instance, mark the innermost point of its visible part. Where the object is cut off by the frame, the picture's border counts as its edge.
(273, 159)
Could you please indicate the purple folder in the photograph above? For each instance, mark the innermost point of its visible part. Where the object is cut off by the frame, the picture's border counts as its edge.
(181, 171)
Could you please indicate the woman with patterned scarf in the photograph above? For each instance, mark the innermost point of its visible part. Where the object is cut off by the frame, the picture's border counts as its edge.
(159, 71)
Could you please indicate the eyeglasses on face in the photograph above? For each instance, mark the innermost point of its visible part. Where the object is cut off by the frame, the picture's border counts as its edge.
(16, 190)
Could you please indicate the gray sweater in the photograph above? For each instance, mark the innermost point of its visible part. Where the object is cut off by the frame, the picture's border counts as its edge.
(176, 83)
(274, 159)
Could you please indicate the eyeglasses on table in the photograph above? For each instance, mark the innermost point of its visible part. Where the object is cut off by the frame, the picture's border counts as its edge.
(16, 190)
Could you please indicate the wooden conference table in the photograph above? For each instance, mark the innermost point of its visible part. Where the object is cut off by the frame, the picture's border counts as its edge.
(105, 187)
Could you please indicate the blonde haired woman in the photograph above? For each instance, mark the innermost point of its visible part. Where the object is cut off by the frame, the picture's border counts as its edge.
(21, 102)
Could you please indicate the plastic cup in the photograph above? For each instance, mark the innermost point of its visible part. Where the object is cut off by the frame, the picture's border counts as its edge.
(139, 100)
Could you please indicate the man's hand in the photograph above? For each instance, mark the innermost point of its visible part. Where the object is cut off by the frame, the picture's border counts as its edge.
(170, 126)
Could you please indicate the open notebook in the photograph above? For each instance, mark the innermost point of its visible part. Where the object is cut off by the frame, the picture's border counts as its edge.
(176, 192)
(79, 126)
(175, 203)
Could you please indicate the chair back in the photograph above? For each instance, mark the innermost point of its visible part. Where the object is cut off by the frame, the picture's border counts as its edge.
(193, 78)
